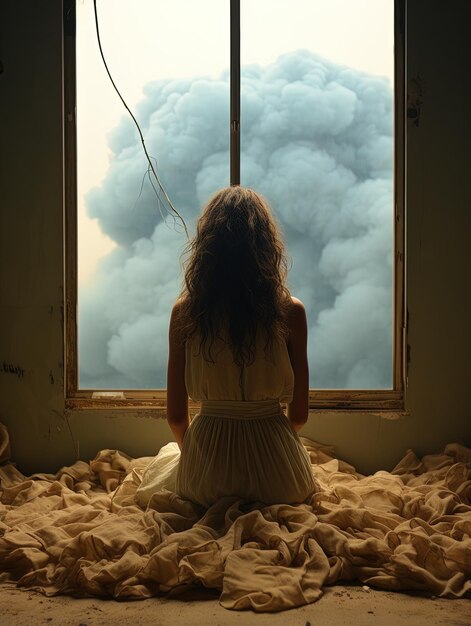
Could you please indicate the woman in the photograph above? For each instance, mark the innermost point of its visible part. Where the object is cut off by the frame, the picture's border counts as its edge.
(238, 345)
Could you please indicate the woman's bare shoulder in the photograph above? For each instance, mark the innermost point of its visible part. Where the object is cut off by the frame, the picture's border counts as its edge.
(176, 319)
(297, 308)
(177, 307)
(297, 320)
(297, 304)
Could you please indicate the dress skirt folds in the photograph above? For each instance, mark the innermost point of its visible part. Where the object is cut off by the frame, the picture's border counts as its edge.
(248, 449)
(240, 443)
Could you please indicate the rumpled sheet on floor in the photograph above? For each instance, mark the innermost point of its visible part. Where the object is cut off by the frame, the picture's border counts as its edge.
(80, 532)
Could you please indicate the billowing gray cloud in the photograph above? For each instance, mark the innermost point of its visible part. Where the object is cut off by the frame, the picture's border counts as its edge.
(317, 142)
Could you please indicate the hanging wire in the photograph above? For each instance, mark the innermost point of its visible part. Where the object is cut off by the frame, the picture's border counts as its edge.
(151, 170)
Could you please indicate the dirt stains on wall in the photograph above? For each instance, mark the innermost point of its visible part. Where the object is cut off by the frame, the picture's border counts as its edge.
(10, 368)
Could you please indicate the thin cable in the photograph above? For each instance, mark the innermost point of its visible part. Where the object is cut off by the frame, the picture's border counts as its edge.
(151, 165)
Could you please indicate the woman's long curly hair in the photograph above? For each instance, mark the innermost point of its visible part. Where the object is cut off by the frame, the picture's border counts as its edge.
(235, 275)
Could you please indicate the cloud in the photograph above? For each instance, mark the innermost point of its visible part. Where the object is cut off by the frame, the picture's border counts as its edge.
(317, 142)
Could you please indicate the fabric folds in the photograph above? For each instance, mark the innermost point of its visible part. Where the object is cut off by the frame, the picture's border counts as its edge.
(80, 532)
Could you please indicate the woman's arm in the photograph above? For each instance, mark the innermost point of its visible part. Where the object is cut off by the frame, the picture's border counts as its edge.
(298, 409)
(177, 395)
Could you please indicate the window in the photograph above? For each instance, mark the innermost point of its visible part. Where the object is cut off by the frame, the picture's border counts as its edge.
(321, 136)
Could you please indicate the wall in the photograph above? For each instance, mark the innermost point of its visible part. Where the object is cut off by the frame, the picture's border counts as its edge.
(31, 262)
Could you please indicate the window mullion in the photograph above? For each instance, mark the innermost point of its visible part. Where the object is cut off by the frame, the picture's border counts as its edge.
(235, 93)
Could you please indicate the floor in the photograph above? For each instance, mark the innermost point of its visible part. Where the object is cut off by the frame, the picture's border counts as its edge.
(341, 605)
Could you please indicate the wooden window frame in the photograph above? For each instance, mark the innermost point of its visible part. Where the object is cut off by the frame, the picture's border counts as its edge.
(389, 402)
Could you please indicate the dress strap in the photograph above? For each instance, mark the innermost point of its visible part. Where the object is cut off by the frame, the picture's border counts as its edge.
(240, 409)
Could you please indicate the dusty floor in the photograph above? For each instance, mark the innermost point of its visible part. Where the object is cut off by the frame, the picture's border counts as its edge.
(341, 605)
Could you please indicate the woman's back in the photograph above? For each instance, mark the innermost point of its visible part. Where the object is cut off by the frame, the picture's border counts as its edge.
(268, 377)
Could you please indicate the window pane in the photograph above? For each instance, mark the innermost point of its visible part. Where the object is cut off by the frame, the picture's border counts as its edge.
(170, 60)
(317, 141)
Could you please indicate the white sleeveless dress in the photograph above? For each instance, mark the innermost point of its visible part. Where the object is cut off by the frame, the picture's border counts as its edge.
(240, 443)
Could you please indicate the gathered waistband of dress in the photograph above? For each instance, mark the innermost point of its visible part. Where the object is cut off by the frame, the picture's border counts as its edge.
(240, 409)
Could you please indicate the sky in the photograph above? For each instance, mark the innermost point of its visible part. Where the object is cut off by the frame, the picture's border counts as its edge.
(316, 124)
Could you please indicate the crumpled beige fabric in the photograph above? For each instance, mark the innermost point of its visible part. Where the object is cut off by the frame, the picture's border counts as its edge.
(79, 532)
